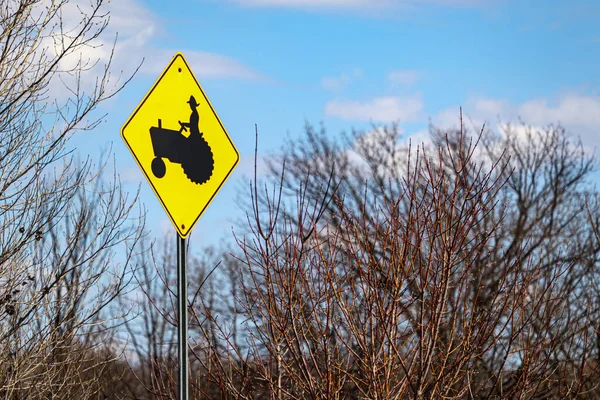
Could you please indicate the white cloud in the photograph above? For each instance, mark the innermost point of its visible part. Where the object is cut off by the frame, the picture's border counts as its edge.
(578, 113)
(447, 118)
(416, 142)
(403, 77)
(476, 112)
(520, 133)
(571, 109)
(204, 65)
(139, 32)
(136, 29)
(373, 137)
(379, 109)
(132, 33)
(418, 138)
(339, 82)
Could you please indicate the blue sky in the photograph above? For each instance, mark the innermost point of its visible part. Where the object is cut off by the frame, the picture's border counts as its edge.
(352, 64)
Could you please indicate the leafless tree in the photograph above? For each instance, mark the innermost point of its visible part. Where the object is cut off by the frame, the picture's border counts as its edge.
(427, 272)
(152, 328)
(66, 233)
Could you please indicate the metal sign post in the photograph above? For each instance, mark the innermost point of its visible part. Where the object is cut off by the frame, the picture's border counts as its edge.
(182, 317)
(186, 158)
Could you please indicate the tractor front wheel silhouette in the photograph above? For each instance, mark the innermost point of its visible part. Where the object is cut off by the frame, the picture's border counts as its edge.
(159, 169)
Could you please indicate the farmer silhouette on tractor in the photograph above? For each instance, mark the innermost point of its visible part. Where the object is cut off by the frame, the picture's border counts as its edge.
(193, 153)
(194, 118)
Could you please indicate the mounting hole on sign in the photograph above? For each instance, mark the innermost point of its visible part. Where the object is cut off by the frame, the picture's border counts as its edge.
(178, 69)
(182, 226)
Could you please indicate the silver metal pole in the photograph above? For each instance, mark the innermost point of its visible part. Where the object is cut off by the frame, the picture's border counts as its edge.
(182, 316)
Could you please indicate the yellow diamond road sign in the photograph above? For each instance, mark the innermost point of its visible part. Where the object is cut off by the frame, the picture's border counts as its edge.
(180, 145)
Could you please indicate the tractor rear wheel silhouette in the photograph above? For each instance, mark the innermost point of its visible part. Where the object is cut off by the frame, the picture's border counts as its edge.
(193, 153)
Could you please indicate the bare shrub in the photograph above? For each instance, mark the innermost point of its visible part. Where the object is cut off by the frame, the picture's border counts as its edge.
(426, 280)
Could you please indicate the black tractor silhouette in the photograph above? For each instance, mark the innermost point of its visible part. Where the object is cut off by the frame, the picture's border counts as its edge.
(193, 153)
